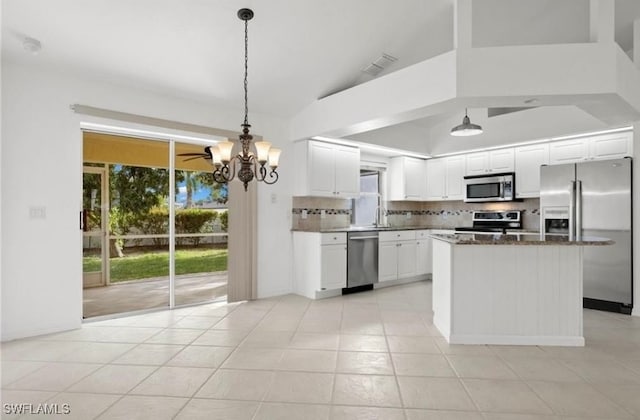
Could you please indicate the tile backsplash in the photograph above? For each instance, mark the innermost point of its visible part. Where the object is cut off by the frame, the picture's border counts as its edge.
(333, 213)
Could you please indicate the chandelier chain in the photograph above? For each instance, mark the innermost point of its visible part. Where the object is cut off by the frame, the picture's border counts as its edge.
(246, 72)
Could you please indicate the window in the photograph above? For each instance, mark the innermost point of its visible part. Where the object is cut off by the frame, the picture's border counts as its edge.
(365, 208)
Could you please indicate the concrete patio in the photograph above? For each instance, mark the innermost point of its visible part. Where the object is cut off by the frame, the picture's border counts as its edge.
(153, 293)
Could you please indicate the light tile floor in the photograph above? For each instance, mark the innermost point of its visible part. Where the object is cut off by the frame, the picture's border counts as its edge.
(372, 355)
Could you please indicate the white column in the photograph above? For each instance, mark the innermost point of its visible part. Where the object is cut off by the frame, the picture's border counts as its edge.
(636, 43)
(602, 20)
(462, 29)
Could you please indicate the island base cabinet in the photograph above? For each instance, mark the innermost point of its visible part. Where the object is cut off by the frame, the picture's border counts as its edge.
(508, 294)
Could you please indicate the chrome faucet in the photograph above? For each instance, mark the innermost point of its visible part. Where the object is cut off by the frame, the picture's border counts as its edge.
(381, 213)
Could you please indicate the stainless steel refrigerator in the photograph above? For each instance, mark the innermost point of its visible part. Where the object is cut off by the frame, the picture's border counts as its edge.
(594, 199)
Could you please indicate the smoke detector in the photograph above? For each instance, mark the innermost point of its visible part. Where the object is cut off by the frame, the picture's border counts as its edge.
(379, 64)
(32, 45)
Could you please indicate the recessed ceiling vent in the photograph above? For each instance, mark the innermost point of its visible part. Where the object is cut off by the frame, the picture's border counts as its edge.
(494, 112)
(379, 64)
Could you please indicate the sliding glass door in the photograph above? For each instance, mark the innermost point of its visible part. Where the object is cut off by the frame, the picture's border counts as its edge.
(200, 229)
(163, 231)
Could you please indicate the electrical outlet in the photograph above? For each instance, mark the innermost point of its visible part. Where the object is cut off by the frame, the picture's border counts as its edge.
(408, 214)
(274, 198)
(445, 215)
(323, 214)
(304, 214)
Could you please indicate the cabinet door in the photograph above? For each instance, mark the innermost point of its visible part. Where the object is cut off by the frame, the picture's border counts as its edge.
(424, 263)
(436, 179)
(611, 146)
(528, 162)
(347, 171)
(568, 151)
(333, 266)
(387, 261)
(477, 163)
(501, 160)
(321, 169)
(406, 259)
(455, 175)
(414, 174)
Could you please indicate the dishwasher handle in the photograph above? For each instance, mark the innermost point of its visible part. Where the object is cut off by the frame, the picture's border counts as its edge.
(362, 238)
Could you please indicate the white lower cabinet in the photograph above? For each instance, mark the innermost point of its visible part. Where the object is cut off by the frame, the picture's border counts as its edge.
(333, 266)
(319, 263)
(387, 261)
(396, 255)
(424, 259)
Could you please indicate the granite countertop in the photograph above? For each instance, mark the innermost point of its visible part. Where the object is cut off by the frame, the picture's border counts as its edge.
(518, 239)
(384, 228)
(370, 228)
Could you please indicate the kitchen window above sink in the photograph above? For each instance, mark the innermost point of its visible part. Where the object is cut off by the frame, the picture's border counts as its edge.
(367, 210)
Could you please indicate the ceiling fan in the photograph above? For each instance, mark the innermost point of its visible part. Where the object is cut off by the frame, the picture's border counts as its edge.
(204, 155)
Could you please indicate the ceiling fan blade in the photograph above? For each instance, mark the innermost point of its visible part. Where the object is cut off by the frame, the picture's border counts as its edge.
(196, 157)
(192, 154)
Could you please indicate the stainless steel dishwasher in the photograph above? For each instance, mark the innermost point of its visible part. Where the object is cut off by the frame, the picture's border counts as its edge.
(362, 260)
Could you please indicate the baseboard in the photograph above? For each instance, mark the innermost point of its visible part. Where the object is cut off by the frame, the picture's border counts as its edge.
(569, 341)
(398, 282)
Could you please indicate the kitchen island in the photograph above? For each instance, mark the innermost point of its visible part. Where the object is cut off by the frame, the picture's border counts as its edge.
(517, 289)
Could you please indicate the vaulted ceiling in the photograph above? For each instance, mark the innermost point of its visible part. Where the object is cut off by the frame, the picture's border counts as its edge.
(299, 50)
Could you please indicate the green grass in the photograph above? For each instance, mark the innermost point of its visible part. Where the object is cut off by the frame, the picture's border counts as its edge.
(156, 263)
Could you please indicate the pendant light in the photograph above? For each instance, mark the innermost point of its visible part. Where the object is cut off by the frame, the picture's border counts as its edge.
(466, 128)
(244, 164)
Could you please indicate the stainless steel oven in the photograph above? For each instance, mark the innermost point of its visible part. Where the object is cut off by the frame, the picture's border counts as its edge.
(496, 187)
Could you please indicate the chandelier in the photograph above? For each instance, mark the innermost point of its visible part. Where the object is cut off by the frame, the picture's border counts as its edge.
(246, 165)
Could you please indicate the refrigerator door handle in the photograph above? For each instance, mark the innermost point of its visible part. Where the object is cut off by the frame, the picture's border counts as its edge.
(578, 210)
(572, 210)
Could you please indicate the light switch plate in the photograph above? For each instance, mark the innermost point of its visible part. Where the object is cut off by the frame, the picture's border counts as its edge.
(323, 214)
(304, 214)
(408, 215)
(37, 212)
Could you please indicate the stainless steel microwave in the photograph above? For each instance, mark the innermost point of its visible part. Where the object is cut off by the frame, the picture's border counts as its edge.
(494, 187)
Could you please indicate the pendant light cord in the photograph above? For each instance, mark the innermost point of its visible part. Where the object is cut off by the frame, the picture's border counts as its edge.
(246, 72)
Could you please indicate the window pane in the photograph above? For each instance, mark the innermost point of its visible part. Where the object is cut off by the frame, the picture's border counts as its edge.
(369, 183)
(366, 205)
(365, 210)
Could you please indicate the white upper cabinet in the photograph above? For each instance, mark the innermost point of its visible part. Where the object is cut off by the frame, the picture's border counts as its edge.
(327, 170)
(445, 178)
(493, 161)
(406, 179)
(436, 179)
(606, 146)
(455, 177)
(611, 146)
(528, 161)
(347, 181)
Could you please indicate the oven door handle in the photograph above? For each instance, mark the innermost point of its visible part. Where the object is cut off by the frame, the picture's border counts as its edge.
(362, 238)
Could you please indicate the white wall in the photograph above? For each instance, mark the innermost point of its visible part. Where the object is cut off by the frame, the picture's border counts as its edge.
(42, 166)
